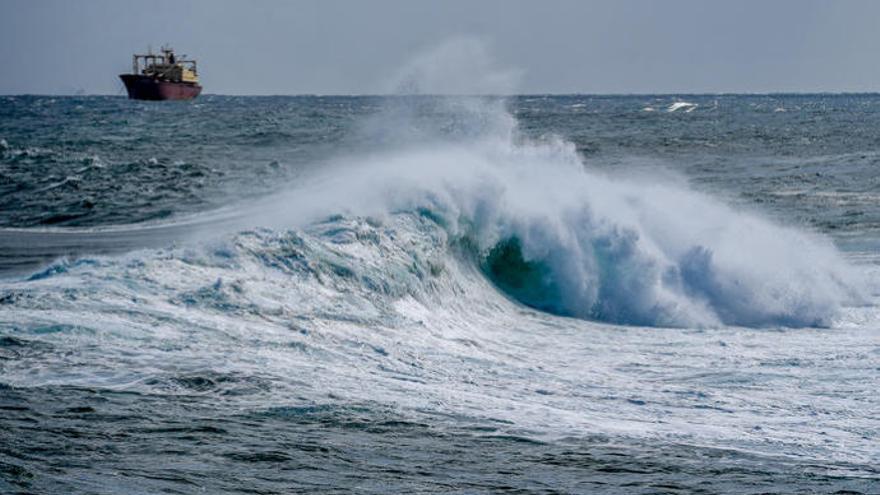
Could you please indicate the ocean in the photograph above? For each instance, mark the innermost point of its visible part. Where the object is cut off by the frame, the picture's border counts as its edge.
(417, 294)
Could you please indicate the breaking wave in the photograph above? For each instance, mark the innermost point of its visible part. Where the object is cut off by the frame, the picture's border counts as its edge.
(417, 281)
(554, 235)
(530, 217)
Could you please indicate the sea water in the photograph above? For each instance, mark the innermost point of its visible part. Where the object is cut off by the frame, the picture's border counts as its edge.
(532, 294)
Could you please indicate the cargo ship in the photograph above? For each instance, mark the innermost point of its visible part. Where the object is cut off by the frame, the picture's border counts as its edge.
(161, 77)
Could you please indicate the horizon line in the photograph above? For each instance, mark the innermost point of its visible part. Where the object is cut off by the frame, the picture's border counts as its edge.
(484, 95)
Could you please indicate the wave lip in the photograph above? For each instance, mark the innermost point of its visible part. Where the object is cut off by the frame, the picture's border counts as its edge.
(557, 236)
(662, 256)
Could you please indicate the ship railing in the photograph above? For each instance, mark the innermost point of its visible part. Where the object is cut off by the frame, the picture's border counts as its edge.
(159, 64)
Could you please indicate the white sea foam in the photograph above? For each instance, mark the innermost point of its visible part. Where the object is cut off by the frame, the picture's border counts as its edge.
(626, 250)
(682, 105)
(383, 312)
(371, 288)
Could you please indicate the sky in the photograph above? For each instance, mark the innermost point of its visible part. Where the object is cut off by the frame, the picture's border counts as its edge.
(471, 46)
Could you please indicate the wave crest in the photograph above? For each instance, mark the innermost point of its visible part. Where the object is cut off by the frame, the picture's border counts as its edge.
(559, 237)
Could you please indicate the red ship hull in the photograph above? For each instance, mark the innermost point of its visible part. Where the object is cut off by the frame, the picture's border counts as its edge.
(148, 88)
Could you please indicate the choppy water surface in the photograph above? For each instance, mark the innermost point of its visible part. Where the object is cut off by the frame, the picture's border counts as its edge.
(565, 294)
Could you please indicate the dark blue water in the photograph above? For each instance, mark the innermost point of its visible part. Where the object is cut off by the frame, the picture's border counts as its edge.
(539, 294)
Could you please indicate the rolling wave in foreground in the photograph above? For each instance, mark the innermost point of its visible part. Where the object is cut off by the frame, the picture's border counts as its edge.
(556, 237)
(448, 301)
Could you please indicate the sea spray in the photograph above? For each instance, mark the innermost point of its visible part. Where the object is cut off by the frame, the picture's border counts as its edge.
(559, 237)
(396, 329)
(460, 65)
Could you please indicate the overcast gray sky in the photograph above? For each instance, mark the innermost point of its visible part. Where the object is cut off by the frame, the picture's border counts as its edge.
(356, 47)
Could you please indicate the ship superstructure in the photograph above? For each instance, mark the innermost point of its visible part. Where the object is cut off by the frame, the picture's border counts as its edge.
(162, 76)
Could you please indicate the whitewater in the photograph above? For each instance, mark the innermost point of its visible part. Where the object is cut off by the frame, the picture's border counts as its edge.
(436, 298)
